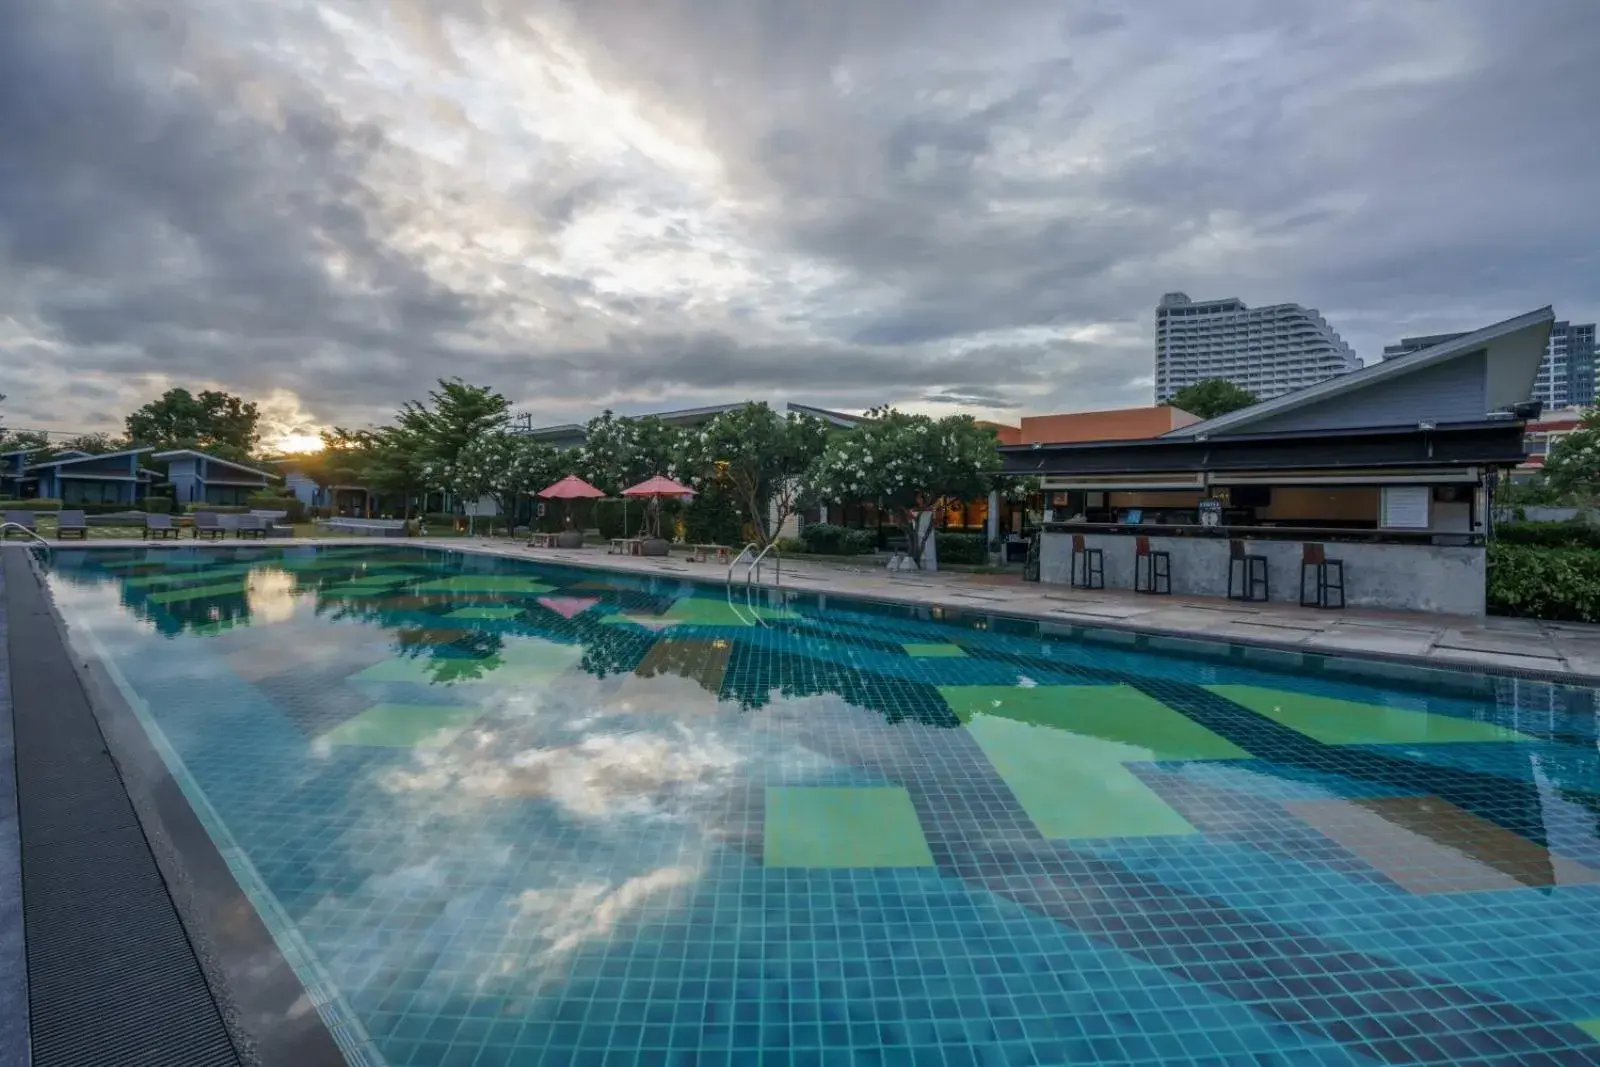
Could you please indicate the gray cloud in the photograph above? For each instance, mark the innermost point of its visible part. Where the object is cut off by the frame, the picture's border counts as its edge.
(696, 201)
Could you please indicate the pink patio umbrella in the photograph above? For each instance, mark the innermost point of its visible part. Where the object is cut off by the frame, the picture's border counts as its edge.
(569, 489)
(655, 489)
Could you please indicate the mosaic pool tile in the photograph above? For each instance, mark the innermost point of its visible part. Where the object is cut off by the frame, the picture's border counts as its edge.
(819, 826)
(1428, 845)
(934, 650)
(403, 726)
(487, 613)
(1071, 785)
(566, 852)
(483, 583)
(198, 592)
(1110, 712)
(1346, 722)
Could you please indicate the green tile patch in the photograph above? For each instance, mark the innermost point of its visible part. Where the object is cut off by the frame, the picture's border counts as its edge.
(1590, 1027)
(150, 580)
(403, 726)
(484, 583)
(528, 662)
(703, 611)
(200, 592)
(1073, 786)
(873, 826)
(1346, 722)
(1117, 713)
(485, 613)
(936, 651)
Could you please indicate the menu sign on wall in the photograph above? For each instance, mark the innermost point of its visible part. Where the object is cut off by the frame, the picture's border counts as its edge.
(1405, 507)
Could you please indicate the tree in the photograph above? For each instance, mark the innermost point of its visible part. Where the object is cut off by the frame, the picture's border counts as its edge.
(1573, 465)
(619, 452)
(93, 444)
(505, 467)
(908, 464)
(214, 422)
(1210, 398)
(455, 415)
(760, 456)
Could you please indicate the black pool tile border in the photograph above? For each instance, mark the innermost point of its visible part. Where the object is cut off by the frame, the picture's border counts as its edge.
(141, 946)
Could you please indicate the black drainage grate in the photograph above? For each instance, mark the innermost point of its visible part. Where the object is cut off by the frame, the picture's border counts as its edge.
(112, 977)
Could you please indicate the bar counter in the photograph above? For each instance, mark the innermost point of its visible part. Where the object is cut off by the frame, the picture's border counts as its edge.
(1388, 570)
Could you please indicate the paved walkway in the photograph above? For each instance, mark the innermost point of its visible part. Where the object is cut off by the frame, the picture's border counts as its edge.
(1514, 644)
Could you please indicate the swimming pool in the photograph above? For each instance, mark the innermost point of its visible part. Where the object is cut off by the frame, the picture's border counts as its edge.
(503, 813)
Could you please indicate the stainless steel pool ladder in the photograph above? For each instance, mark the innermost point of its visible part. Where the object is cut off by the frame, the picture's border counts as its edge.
(7, 527)
(752, 574)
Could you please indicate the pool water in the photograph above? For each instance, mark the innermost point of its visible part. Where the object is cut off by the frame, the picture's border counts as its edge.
(503, 813)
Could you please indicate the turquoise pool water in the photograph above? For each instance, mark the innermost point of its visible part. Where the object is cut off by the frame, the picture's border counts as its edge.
(501, 813)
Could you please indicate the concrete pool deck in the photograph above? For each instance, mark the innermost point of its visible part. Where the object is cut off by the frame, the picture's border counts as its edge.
(1561, 651)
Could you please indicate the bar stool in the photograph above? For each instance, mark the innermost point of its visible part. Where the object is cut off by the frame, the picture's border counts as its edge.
(1156, 567)
(1330, 577)
(1094, 565)
(1252, 571)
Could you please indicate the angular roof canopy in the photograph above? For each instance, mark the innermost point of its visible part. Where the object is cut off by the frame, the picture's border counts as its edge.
(176, 452)
(67, 459)
(1512, 352)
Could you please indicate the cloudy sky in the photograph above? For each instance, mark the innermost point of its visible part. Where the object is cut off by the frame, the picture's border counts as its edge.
(326, 204)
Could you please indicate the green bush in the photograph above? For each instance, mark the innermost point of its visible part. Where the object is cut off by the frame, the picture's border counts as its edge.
(157, 505)
(1536, 582)
(215, 509)
(962, 548)
(40, 504)
(1574, 533)
(279, 502)
(826, 539)
(713, 518)
(608, 517)
(791, 546)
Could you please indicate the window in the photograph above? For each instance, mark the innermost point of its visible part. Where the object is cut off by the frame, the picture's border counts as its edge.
(88, 491)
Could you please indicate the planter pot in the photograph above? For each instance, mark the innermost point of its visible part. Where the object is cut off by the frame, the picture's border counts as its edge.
(654, 547)
(569, 539)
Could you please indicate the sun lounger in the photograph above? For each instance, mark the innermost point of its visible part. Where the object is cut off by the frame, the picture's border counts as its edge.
(25, 519)
(159, 527)
(249, 526)
(72, 524)
(368, 527)
(208, 525)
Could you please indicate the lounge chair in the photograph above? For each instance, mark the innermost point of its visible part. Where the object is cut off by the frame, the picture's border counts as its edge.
(159, 527)
(253, 526)
(24, 519)
(74, 523)
(208, 524)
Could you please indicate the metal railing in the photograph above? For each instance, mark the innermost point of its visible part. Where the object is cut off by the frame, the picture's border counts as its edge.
(754, 571)
(7, 527)
(752, 574)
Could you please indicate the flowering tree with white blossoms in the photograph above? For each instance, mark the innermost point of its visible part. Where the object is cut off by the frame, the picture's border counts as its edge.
(758, 454)
(908, 464)
(502, 466)
(1572, 468)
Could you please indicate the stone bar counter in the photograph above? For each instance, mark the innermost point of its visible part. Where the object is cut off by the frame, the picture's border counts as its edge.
(1383, 569)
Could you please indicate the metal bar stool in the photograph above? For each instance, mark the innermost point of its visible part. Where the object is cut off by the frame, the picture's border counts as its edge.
(1329, 574)
(1252, 571)
(1093, 565)
(1155, 566)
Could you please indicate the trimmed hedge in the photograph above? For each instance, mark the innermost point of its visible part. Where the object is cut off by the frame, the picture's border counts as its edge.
(1574, 533)
(1533, 581)
(158, 505)
(962, 548)
(279, 502)
(826, 539)
(38, 504)
(216, 509)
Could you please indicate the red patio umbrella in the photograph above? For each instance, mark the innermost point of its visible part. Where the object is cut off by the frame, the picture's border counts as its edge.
(655, 489)
(569, 489)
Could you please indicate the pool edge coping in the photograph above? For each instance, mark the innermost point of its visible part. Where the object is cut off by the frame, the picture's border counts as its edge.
(186, 855)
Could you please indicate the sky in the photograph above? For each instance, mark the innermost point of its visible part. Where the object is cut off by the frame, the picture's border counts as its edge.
(967, 205)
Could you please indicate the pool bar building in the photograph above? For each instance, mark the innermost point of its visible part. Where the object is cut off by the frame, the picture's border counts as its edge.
(1388, 470)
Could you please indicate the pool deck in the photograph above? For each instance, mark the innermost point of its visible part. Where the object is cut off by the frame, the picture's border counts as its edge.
(1557, 650)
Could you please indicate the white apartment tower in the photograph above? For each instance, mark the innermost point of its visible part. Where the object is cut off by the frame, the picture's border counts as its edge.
(1268, 351)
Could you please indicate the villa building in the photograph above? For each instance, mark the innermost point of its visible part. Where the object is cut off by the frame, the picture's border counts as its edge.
(197, 477)
(80, 478)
